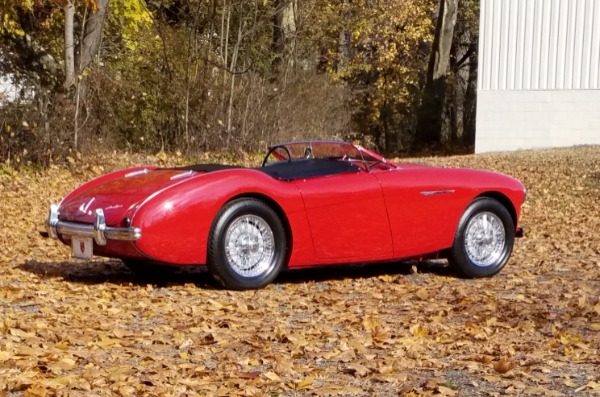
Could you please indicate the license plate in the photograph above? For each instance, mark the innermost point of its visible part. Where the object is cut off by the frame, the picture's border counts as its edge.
(82, 247)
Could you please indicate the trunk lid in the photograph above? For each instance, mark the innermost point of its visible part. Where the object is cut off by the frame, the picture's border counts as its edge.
(119, 197)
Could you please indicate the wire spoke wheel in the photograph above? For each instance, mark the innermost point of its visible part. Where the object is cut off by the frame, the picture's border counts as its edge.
(485, 239)
(249, 245)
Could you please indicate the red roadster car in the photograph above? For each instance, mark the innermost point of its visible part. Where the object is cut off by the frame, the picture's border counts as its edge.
(310, 203)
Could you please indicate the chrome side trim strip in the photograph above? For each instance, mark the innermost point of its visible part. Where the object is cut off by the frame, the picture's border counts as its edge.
(435, 192)
(182, 175)
(98, 231)
(136, 173)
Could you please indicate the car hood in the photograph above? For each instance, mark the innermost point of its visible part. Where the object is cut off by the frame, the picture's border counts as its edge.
(120, 197)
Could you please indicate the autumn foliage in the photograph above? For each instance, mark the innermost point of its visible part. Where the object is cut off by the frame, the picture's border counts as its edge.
(148, 75)
(78, 328)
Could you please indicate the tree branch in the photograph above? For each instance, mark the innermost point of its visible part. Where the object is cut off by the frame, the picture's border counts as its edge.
(464, 58)
(35, 58)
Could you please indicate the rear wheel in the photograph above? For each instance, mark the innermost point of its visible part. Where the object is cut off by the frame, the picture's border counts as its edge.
(247, 245)
(484, 239)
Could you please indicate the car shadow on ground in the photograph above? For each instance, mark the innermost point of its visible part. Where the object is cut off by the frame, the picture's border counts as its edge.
(115, 272)
(363, 271)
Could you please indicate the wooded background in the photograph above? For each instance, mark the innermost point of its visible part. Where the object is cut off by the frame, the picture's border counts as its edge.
(206, 75)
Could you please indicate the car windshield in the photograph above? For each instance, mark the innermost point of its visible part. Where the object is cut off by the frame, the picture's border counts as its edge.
(316, 150)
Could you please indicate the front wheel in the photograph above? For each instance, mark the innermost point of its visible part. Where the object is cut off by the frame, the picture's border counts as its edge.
(247, 245)
(484, 239)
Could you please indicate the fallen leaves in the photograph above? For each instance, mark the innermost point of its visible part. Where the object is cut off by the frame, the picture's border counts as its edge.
(504, 365)
(304, 383)
(92, 328)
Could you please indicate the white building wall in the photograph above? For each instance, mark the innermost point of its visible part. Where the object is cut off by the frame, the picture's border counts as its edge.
(539, 74)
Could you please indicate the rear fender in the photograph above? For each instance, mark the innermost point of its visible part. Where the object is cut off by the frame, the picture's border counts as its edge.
(176, 222)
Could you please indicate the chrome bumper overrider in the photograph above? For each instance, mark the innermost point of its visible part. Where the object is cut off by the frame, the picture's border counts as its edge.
(98, 231)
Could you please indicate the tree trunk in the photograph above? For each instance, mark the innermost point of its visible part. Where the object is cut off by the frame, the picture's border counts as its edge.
(470, 104)
(430, 123)
(390, 138)
(284, 33)
(454, 100)
(69, 11)
(92, 37)
(344, 39)
(234, 59)
(454, 114)
(224, 50)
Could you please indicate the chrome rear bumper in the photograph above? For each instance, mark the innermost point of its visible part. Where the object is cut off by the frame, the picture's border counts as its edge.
(98, 231)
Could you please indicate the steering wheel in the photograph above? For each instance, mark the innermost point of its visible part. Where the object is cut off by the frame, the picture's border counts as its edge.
(277, 155)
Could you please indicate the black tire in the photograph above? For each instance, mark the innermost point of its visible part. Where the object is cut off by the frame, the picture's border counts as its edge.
(246, 229)
(147, 268)
(488, 216)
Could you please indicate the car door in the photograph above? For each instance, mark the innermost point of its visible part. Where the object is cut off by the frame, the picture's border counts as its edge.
(347, 217)
(424, 207)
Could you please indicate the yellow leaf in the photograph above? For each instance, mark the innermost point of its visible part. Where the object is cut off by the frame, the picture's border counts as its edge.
(107, 342)
(570, 383)
(358, 370)
(418, 331)
(162, 156)
(370, 322)
(552, 393)
(581, 302)
(272, 376)
(593, 385)
(62, 345)
(305, 383)
(37, 390)
(120, 332)
(446, 391)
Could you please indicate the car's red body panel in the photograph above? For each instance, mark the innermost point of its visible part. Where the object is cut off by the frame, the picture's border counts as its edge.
(186, 212)
(347, 218)
(425, 204)
(385, 213)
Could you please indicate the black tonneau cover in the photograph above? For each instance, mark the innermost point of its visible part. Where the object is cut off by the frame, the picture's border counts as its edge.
(288, 171)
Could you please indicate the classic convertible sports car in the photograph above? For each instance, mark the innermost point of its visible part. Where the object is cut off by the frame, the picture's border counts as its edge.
(310, 203)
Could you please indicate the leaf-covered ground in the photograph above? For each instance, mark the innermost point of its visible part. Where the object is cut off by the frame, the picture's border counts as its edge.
(93, 328)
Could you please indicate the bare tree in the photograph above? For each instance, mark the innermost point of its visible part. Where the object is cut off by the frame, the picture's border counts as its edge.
(429, 129)
(344, 39)
(284, 33)
(92, 36)
(69, 12)
(470, 103)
